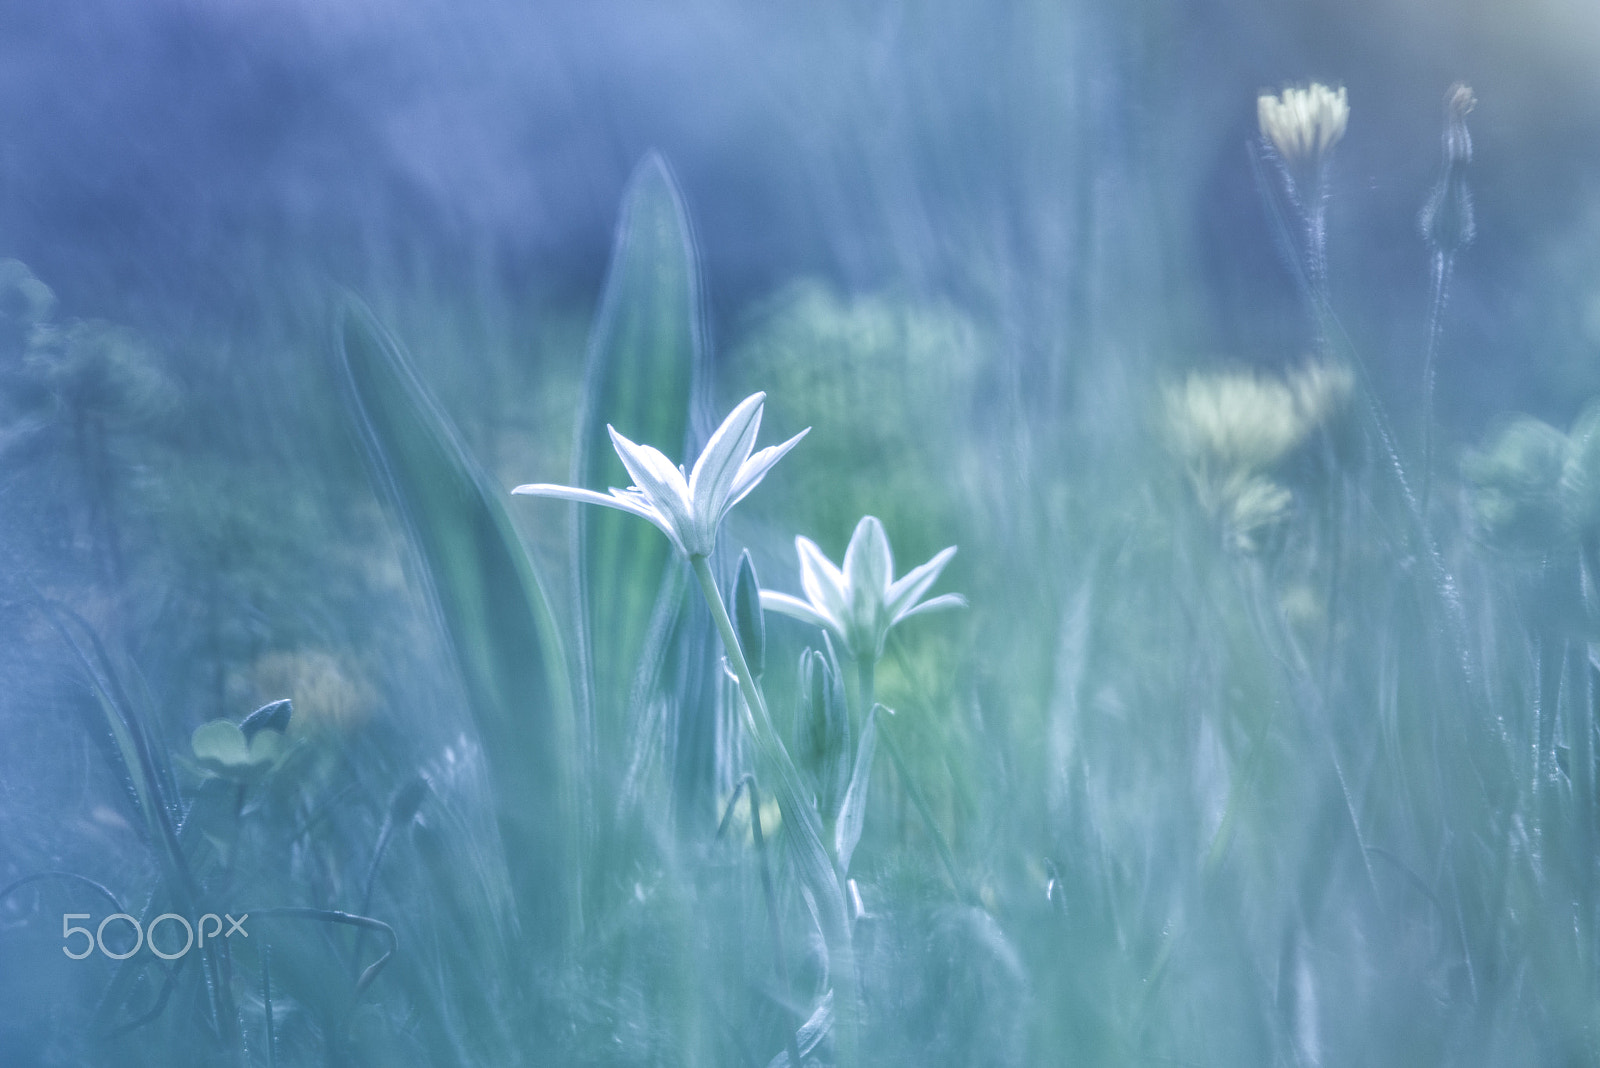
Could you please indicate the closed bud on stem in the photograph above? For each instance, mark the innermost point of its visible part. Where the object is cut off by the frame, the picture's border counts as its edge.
(748, 621)
(823, 729)
(1446, 220)
(273, 716)
(1458, 102)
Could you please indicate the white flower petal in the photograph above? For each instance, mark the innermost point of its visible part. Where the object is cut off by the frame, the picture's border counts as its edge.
(938, 604)
(659, 480)
(688, 507)
(908, 590)
(823, 583)
(795, 608)
(868, 562)
(650, 469)
(568, 493)
(621, 500)
(756, 468)
(715, 472)
(633, 496)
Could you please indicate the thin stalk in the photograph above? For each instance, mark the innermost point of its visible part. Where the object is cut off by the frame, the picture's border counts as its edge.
(864, 680)
(1443, 263)
(813, 857)
(861, 686)
(301, 912)
(772, 914)
(1220, 841)
(266, 1001)
(1316, 220)
(946, 857)
(858, 697)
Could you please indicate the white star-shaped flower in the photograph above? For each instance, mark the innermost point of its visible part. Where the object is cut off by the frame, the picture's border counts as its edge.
(859, 602)
(687, 507)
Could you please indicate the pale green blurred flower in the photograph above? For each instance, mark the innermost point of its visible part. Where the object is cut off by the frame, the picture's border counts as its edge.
(224, 750)
(1580, 474)
(1535, 487)
(687, 506)
(861, 601)
(1516, 483)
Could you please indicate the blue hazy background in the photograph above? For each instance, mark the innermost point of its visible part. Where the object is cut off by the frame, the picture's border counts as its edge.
(164, 157)
(1287, 762)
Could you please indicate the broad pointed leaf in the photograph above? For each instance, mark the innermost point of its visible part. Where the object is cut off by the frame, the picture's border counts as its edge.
(491, 607)
(644, 362)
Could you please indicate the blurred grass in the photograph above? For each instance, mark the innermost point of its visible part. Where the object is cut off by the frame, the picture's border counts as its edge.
(1216, 799)
(1298, 777)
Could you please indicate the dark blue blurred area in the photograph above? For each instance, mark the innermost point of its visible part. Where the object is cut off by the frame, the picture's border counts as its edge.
(162, 161)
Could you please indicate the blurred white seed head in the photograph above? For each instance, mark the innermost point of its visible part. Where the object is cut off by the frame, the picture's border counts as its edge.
(1232, 428)
(1244, 422)
(1303, 124)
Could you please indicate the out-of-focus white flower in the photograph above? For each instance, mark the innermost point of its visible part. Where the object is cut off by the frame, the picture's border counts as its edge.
(1303, 124)
(1242, 421)
(687, 506)
(859, 602)
(1232, 428)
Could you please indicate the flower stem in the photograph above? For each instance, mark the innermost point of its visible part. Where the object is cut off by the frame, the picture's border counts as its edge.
(816, 867)
(865, 687)
(1443, 262)
(792, 1045)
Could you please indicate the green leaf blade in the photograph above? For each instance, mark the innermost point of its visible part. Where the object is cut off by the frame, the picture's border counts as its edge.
(644, 366)
(492, 609)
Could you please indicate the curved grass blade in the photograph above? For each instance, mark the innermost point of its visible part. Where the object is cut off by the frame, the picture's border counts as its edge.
(143, 762)
(491, 606)
(811, 1033)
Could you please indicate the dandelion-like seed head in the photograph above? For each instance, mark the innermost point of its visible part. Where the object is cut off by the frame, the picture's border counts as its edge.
(1232, 428)
(1303, 124)
(1234, 420)
(1246, 422)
